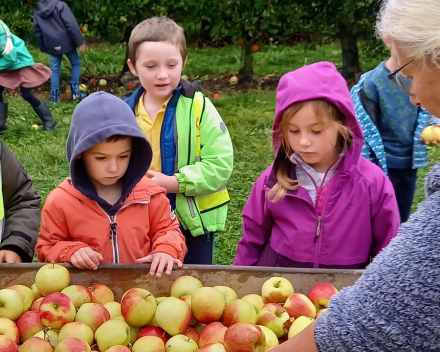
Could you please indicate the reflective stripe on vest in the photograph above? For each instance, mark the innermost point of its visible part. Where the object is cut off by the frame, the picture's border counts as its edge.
(220, 197)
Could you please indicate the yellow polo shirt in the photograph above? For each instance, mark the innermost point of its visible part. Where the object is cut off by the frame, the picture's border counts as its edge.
(151, 130)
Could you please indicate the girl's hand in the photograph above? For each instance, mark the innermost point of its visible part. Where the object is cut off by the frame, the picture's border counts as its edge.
(82, 48)
(9, 257)
(86, 258)
(170, 183)
(158, 263)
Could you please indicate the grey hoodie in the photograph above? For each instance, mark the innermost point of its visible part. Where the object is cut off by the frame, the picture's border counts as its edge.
(98, 117)
(395, 304)
(55, 28)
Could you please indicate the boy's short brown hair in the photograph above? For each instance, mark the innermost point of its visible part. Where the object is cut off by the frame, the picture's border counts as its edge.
(156, 29)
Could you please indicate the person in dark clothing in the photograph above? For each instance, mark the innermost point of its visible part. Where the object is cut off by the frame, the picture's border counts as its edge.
(19, 210)
(58, 34)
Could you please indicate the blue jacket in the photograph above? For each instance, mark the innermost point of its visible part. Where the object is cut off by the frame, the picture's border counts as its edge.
(373, 148)
(394, 305)
(55, 28)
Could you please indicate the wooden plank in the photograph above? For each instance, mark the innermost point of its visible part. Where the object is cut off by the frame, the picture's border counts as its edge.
(243, 280)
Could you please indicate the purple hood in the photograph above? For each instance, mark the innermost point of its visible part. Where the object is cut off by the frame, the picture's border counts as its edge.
(355, 214)
(319, 81)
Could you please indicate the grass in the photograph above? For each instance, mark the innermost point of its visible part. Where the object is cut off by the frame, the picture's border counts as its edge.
(248, 116)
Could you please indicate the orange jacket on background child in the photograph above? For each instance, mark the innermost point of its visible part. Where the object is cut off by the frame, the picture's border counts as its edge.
(75, 216)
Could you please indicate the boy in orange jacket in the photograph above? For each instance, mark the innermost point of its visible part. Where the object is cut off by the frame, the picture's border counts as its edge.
(108, 211)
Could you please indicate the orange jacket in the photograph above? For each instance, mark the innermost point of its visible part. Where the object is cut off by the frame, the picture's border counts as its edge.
(143, 225)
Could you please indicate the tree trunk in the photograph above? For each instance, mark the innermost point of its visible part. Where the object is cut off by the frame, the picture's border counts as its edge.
(246, 72)
(126, 38)
(350, 54)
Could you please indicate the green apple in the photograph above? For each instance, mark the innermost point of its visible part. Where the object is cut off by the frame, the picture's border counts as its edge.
(181, 343)
(213, 347)
(26, 295)
(207, 304)
(149, 344)
(112, 333)
(228, 292)
(78, 294)
(77, 329)
(274, 317)
(9, 329)
(255, 300)
(271, 338)
(49, 335)
(93, 315)
(299, 325)
(173, 315)
(114, 308)
(52, 278)
(185, 286)
(11, 304)
(276, 290)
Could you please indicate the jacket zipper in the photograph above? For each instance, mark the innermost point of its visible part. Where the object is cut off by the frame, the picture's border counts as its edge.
(113, 230)
(318, 211)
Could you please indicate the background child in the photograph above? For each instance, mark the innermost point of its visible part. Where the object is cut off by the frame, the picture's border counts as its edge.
(192, 149)
(58, 33)
(108, 211)
(392, 127)
(19, 210)
(320, 204)
(17, 69)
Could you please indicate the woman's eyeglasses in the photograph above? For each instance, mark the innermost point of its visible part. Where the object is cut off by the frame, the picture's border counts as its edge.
(402, 82)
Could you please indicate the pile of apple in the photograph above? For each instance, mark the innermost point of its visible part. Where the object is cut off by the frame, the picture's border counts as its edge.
(52, 316)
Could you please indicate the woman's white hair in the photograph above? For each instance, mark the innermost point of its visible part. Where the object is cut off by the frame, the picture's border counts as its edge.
(415, 25)
(8, 45)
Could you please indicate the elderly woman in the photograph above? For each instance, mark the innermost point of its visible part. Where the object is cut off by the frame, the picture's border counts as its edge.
(395, 305)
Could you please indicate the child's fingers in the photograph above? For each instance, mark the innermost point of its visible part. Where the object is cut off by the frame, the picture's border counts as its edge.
(178, 262)
(151, 173)
(94, 256)
(170, 265)
(154, 264)
(147, 259)
(75, 263)
(162, 263)
(88, 262)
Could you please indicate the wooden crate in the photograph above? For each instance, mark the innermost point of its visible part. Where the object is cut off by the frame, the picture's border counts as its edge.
(243, 280)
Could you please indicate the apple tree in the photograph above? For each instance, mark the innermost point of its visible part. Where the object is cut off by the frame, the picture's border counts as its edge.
(347, 20)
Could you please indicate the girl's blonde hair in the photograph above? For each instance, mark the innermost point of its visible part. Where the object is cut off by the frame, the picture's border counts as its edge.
(282, 164)
(9, 46)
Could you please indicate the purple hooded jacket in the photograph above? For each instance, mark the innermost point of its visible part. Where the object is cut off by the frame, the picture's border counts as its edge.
(353, 219)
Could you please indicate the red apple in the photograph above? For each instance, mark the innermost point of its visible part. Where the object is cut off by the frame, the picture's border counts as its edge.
(240, 42)
(35, 344)
(276, 290)
(321, 293)
(244, 337)
(36, 305)
(154, 331)
(298, 304)
(216, 96)
(213, 347)
(93, 315)
(101, 294)
(149, 344)
(185, 286)
(131, 85)
(192, 333)
(9, 329)
(7, 344)
(274, 317)
(30, 2)
(173, 315)
(78, 294)
(138, 307)
(29, 324)
(93, 81)
(72, 344)
(207, 304)
(212, 333)
(255, 48)
(57, 310)
(83, 29)
(118, 349)
(239, 311)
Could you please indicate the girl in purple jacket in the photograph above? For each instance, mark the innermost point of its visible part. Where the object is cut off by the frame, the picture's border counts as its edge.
(320, 204)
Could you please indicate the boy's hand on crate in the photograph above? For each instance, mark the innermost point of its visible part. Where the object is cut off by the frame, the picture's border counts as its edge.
(9, 257)
(86, 258)
(160, 261)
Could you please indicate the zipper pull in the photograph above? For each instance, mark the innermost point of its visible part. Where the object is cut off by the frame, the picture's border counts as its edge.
(112, 227)
(318, 229)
